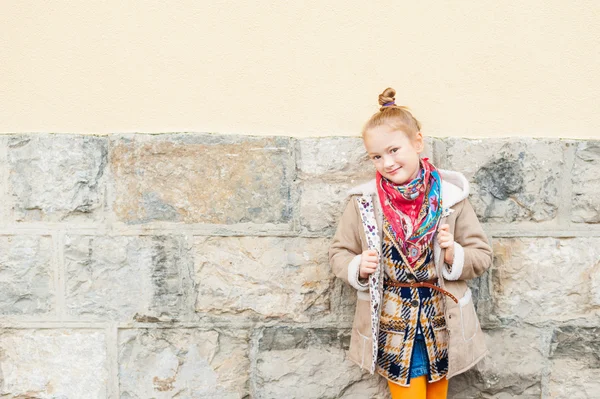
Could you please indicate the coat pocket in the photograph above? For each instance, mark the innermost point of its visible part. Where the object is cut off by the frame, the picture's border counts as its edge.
(440, 331)
(361, 341)
(390, 325)
(468, 316)
(438, 323)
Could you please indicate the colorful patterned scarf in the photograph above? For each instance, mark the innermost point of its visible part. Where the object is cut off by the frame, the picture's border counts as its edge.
(412, 220)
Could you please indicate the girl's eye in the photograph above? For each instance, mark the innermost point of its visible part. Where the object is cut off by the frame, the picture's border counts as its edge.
(376, 157)
(395, 149)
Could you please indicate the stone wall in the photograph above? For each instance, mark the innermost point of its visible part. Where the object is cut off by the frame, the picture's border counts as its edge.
(195, 266)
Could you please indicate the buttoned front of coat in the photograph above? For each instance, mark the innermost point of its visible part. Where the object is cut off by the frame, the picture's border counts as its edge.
(407, 311)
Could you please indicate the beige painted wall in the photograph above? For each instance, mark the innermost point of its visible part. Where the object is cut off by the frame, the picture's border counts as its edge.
(306, 68)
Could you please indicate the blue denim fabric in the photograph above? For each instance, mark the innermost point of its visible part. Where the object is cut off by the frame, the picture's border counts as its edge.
(419, 364)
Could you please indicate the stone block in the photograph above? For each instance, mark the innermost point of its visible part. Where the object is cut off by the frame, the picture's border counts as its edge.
(183, 364)
(505, 179)
(322, 205)
(311, 363)
(334, 158)
(575, 355)
(263, 277)
(585, 178)
(202, 179)
(513, 369)
(26, 275)
(542, 279)
(49, 363)
(123, 278)
(581, 343)
(57, 177)
(572, 379)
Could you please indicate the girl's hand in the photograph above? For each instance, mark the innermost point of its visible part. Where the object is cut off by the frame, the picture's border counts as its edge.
(368, 263)
(446, 241)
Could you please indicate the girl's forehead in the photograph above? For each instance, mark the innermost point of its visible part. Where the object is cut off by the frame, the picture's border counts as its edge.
(382, 136)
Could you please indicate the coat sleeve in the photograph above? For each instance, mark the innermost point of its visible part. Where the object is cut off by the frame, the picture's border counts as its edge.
(346, 249)
(472, 252)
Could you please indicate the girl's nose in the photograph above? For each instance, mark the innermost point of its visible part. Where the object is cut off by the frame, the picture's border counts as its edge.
(388, 161)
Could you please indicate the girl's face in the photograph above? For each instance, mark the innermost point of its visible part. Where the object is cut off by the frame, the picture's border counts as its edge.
(394, 155)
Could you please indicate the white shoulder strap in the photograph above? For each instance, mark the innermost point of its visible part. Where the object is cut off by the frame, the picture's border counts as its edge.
(367, 214)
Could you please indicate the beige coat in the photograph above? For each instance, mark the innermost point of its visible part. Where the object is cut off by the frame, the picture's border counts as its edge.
(473, 256)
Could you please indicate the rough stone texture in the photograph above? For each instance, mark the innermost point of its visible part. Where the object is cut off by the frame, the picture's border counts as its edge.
(575, 354)
(334, 158)
(209, 277)
(328, 167)
(287, 278)
(57, 177)
(182, 363)
(145, 278)
(506, 183)
(53, 364)
(320, 208)
(585, 178)
(542, 279)
(572, 379)
(513, 369)
(202, 179)
(483, 299)
(310, 363)
(26, 278)
(581, 343)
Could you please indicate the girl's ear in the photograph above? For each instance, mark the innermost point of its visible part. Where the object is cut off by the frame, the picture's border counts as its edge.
(419, 142)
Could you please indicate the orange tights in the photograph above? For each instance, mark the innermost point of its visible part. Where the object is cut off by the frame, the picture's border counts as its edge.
(420, 389)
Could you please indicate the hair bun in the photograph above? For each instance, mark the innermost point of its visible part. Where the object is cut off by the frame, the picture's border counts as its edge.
(388, 96)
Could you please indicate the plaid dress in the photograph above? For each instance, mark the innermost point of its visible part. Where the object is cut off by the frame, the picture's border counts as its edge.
(405, 310)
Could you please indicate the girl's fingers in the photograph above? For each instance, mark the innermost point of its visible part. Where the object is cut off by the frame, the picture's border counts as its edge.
(445, 237)
(370, 263)
(444, 227)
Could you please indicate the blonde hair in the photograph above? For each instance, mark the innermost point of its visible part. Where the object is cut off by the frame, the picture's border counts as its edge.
(396, 116)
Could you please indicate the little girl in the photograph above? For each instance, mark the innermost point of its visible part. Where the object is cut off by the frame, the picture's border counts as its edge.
(407, 241)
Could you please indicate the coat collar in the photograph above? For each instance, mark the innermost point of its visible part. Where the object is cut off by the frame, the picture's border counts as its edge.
(455, 187)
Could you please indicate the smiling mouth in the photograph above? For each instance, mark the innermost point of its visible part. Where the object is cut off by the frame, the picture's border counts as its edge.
(391, 172)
